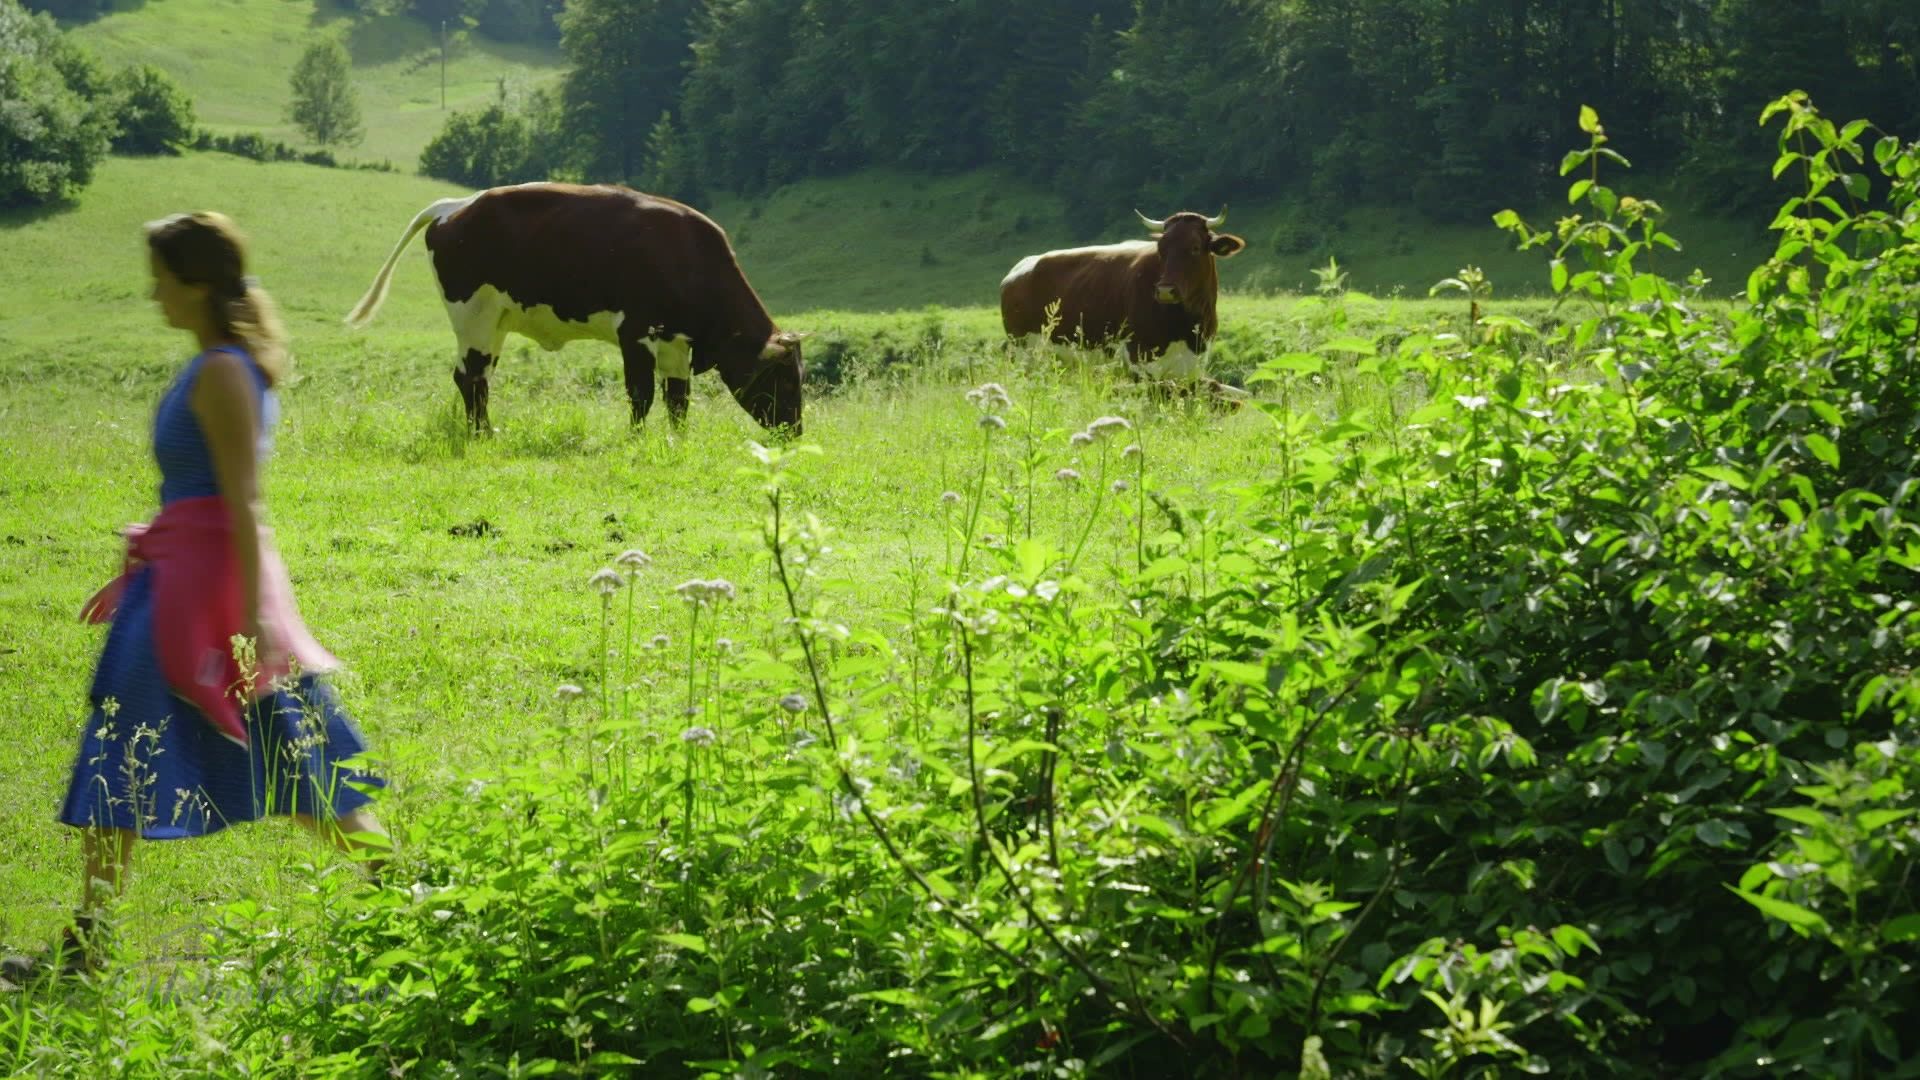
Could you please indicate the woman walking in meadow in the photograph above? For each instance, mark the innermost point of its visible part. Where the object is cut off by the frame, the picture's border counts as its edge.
(205, 706)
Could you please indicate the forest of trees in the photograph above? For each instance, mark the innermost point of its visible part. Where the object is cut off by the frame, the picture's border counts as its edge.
(1453, 106)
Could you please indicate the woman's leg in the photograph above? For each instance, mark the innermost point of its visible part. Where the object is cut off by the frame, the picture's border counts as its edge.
(351, 832)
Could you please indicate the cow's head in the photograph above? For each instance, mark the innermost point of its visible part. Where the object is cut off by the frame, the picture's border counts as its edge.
(767, 383)
(1188, 246)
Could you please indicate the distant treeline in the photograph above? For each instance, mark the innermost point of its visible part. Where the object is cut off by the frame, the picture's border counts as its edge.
(1452, 106)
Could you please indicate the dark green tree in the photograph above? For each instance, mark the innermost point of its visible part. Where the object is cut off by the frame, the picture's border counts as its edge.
(629, 58)
(55, 117)
(154, 113)
(670, 168)
(324, 105)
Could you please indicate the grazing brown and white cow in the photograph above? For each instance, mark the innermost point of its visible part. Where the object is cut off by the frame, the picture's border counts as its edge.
(1158, 295)
(561, 262)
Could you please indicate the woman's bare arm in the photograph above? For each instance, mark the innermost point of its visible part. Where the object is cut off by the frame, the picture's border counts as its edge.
(223, 402)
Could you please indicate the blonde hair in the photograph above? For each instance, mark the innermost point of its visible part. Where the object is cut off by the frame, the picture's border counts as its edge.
(206, 248)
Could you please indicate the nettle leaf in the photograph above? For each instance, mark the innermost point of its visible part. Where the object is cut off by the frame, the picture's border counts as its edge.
(1823, 449)
(1871, 820)
(1349, 344)
(1792, 914)
(1801, 814)
(1163, 567)
(1572, 938)
(1299, 363)
(690, 942)
(1903, 929)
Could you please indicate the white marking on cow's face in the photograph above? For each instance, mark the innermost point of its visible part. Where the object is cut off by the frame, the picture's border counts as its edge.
(1179, 363)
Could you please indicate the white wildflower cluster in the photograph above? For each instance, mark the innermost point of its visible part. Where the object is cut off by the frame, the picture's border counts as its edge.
(698, 736)
(634, 560)
(1068, 476)
(794, 703)
(949, 497)
(1044, 590)
(606, 582)
(989, 397)
(705, 594)
(567, 691)
(1105, 426)
(1132, 450)
(1120, 486)
(980, 622)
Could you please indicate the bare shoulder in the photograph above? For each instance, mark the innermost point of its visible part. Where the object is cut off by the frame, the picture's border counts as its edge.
(224, 382)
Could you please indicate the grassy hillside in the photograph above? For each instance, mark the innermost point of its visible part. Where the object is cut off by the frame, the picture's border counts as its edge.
(234, 56)
(881, 240)
(826, 256)
(318, 236)
(873, 241)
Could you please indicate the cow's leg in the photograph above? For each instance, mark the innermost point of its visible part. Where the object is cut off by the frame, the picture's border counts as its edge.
(478, 331)
(676, 371)
(678, 391)
(639, 371)
(470, 375)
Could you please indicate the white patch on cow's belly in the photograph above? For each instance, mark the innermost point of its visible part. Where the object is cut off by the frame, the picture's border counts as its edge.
(482, 321)
(550, 331)
(1179, 363)
(672, 357)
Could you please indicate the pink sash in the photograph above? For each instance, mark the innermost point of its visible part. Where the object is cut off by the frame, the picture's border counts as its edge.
(196, 611)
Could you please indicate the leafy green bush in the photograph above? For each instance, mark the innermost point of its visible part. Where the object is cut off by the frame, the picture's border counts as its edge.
(154, 114)
(482, 149)
(499, 145)
(55, 122)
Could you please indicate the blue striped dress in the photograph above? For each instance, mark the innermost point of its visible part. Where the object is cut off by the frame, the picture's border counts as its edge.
(148, 761)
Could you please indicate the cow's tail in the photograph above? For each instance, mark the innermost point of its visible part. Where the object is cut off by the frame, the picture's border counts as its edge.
(369, 305)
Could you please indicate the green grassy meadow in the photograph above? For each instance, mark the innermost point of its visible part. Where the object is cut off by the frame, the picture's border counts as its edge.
(454, 641)
(233, 58)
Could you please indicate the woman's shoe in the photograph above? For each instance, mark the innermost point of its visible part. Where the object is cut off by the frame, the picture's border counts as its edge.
(82, 949)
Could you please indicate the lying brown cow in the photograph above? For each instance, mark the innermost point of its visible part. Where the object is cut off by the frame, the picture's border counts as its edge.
(561, 262)
(1158, 295)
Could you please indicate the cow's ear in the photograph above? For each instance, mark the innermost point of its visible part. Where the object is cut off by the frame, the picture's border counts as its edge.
(1227, 245)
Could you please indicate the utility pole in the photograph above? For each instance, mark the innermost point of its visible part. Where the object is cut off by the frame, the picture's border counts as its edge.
(443, 65)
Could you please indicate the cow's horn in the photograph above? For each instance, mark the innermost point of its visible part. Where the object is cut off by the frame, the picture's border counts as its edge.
(1155, 226)
(1218, 219)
